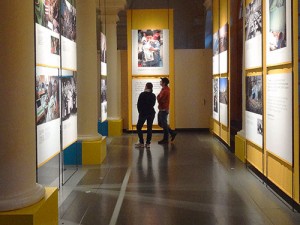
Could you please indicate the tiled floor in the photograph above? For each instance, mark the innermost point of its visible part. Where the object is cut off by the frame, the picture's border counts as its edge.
(193, 181)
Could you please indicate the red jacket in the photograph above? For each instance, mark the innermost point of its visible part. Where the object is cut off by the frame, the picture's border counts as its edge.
(163, 99)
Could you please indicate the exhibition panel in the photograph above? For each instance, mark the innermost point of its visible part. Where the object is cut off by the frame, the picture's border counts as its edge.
(150, 56)
(56, 65)
(221, 70)
(271, 92)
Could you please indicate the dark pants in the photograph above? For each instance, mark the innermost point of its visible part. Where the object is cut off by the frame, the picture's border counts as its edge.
(140, 124)
(163, 123)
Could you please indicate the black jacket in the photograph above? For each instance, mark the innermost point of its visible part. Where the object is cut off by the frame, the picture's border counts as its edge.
(146, 103)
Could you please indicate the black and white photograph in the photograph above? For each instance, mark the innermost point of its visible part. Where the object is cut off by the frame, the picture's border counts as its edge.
(253, 26)
(216, 95)
(216, 43)
(55, 45)
(69, 97)
(103, 99)
(223, 38)
(259, 127)
(150, 51)
(47, 98)
(254, 94)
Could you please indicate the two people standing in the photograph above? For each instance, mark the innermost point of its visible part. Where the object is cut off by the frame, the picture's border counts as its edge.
(146, 102)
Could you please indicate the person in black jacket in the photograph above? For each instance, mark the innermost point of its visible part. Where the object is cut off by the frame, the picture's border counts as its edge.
(145, 106)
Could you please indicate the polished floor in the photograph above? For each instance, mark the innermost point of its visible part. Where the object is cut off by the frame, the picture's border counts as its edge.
(193, 181)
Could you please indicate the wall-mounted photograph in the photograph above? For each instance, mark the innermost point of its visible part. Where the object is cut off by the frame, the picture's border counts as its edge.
(254, 94)
(150, 52)
(47, 98)
(253, 21)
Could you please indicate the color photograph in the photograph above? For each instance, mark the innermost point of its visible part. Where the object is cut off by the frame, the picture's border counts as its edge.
(47, 14)
(150, 51)
(223, 91)
(254, 94)
(47, 98)
(253, 26)
(68, 20)
(277, 26)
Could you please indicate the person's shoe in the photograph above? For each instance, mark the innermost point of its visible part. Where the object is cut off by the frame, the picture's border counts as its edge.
(147, 146)
(173, 136)
(139, 145)
(163, 141)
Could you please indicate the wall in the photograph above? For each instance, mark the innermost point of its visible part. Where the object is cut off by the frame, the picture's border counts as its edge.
(193, 88)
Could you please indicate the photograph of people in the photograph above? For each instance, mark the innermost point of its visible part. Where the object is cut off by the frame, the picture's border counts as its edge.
(254, 94)
(47, 98)
(69, 97)
(46, 14)
(68, 20)
(150, 48)
(54, 45)
(277, 31)
(253, 25)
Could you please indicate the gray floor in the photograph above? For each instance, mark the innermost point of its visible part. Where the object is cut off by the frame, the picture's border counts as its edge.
(194, 180)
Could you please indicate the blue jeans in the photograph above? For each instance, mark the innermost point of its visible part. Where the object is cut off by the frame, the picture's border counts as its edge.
(163, 123)
(142, 119)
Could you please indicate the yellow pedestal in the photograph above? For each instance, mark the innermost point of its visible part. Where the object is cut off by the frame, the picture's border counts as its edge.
(93, 152)
(45, 212)
(240, 147)
(115, 127)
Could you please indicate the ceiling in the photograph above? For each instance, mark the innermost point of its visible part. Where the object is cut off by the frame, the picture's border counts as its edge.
(189, 21)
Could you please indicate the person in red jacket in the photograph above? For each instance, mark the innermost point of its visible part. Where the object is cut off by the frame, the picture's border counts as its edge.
(163, 99)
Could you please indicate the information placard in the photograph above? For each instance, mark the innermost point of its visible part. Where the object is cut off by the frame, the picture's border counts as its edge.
(279, 119)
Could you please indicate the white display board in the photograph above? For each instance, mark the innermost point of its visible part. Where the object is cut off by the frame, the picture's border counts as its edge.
(216, 66)
(215, 104)
(69, 108)
(103, 57)
(47, 44)
(279, 32)
(254, 109)
(47, 113)
(138, 86)
(223, 98)
(150, 52)
(223, 46)
(279, 116)
(253, 35)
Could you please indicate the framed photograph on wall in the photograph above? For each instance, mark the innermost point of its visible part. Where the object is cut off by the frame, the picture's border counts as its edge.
(279, 115)
(215, 103)
(150, 52)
